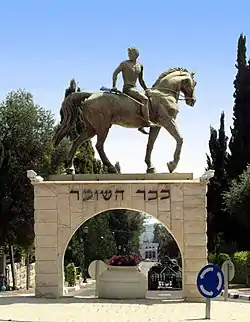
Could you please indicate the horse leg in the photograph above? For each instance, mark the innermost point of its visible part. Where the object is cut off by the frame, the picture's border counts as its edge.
(173, 130)
(101, 138)
(87, 134)
(153, 134)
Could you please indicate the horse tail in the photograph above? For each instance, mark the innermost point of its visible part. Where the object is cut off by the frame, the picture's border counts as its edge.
(69, 113)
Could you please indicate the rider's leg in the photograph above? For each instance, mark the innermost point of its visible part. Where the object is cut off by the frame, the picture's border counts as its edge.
(133, 92)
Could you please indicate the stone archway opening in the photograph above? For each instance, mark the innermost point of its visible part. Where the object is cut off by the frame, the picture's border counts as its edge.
(127, 232)
(63, 203)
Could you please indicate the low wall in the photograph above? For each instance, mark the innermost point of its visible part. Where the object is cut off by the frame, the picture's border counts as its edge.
(21, 275)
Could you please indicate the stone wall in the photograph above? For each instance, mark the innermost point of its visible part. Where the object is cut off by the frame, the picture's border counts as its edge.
(61, 207)
(21, 275)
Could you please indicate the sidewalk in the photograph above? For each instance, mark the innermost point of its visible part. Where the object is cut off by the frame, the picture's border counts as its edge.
(31, 291)
(238, 292)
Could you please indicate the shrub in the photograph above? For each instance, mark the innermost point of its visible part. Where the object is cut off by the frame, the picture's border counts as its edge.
(70, 274)
(241, 258)
(211, 258)
(221, 258)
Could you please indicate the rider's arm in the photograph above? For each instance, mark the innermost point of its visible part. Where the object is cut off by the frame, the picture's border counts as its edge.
(116, 72)
(141, 80)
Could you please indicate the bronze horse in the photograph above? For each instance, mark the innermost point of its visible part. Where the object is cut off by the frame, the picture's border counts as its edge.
(97, 112)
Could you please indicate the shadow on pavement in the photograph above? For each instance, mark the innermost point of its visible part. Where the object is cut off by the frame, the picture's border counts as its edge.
(73, 299)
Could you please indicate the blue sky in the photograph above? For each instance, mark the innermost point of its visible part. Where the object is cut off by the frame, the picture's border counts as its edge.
(46, 43)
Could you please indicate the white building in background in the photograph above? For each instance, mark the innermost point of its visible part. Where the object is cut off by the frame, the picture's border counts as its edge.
(148, 249)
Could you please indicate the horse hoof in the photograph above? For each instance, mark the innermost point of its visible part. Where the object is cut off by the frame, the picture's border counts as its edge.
(112, 170)
(171, 166)
(151, 170)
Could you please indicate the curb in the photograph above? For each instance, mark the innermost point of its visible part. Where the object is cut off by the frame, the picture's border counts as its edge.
(237, 296)
(77, 287)
(71, 289)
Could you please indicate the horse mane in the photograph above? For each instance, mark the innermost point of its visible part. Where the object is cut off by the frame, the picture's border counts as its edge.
(169, 71)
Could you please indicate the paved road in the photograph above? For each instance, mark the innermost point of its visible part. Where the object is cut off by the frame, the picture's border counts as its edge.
(30, 309)
(89, 292)
(145, 266)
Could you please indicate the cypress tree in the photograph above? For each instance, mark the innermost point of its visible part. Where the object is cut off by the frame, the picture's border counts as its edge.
(216, 216)
(239, 145)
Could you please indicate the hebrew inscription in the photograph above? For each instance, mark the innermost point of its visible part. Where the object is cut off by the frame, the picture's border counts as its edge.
(118, 194)
(154, 194)
(88, 194)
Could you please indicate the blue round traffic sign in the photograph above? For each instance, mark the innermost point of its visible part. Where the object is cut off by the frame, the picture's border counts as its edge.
(210, 281)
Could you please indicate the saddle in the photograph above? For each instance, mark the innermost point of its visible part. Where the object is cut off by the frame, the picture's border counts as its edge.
(118, 92)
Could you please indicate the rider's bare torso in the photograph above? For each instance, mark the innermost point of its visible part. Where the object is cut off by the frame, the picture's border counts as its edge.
(130, 73)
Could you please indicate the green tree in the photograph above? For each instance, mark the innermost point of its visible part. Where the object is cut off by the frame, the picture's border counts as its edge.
(217, 217)
(26, 132)
(5, 196)
(167, 245)
(126, 226)
(237, 203)
(239, 156)
(100, 243)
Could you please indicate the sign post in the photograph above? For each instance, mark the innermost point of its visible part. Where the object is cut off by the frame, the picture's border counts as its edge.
(228, 270)
(210, 282)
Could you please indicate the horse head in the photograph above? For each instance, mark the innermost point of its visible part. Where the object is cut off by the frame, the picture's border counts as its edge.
(176, 80)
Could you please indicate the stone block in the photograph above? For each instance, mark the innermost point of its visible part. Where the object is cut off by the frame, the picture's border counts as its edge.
(49, 279)
(44, 190)
(46, 241)
(46, 216)
(195, 240)
(176, 210)
(195, 213)
(62, 188)
(191, 294)
(190, 278)
(64, 236)
(77, 219)
(194, 265)
(195, 201)
(63, 210)
(176, 192)
(75, 204)
(45, 229)
(47, 291)
(194, 189)
(45, 203)
(138, 191)
(151, 207)
(177, 231)
(126, 202)
(165, 218)
(195, 226)
(195, 252)
(46, 253)
(46, 267)
(137, 203)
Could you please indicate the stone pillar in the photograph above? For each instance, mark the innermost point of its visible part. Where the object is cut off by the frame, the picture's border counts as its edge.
(194, 237)
(47, 265)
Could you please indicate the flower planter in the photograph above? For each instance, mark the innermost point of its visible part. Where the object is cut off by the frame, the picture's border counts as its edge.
(122, 282)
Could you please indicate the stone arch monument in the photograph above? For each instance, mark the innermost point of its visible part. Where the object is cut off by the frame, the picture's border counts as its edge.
(64, 203)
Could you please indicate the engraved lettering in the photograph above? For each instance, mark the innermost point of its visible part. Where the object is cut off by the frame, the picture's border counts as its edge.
(166, 192)
(154, 193)
(118, 191)
(142, 191)
(87, 194)
(107, 194)
(75, 192)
